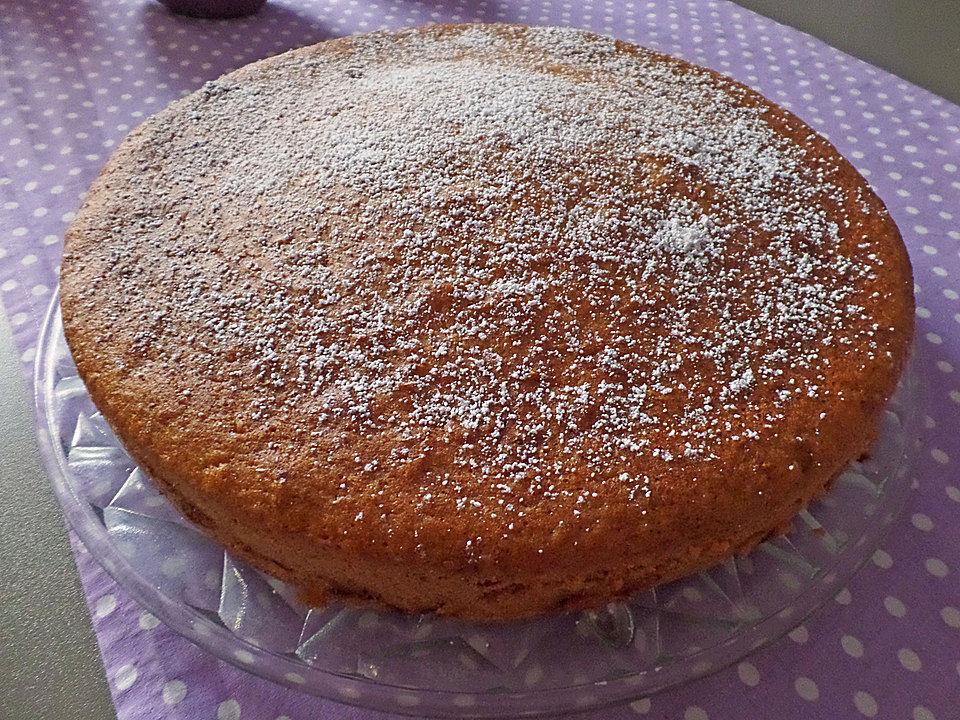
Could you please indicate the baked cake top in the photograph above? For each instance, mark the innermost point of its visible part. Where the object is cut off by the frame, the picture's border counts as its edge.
(476, 291)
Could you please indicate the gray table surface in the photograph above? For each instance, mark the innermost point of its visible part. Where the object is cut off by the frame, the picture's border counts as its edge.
(49, 663)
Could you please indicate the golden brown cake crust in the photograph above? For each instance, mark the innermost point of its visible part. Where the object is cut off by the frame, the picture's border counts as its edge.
(485, 320)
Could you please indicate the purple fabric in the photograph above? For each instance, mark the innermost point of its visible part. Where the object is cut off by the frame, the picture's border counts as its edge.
(76, 76)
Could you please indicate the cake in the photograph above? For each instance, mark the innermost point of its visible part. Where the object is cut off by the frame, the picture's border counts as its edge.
(485, 320)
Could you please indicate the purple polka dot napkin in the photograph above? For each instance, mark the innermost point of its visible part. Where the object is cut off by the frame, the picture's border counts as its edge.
(76, 76)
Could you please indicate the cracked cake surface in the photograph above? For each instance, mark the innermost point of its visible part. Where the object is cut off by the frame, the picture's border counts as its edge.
(485, 320)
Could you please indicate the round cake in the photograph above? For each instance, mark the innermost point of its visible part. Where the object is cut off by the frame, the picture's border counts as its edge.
(485, 320)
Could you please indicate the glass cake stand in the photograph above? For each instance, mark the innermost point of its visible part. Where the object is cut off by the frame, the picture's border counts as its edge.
(426, 665)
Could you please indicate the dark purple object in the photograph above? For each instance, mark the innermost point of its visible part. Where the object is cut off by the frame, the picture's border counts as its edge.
(214, 8)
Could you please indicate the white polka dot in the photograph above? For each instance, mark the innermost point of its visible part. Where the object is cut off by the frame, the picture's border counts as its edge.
(694, 712)
(641, 707)
(106, 605)
(148, 621)
(295, 678)
(951, 616)
(367, 621)
(944, 366)
(940, 456)
(174, 691)
(29, 260)
(852, 646)
(922, 312)
(211, 578)
(882, 559)
(953, 492)
(843, 597)
(936, 567)
(806, 688)
(865, 703)
(934, 338)
(799, 634)
(533, 675)
(922, 522)
(228, 710)
(922, 713)
(125, 677)
(155, 502)
(407, 700)
(172, 566)
(244, 657)
(909, 659)
(894, 606)
(749, 675)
